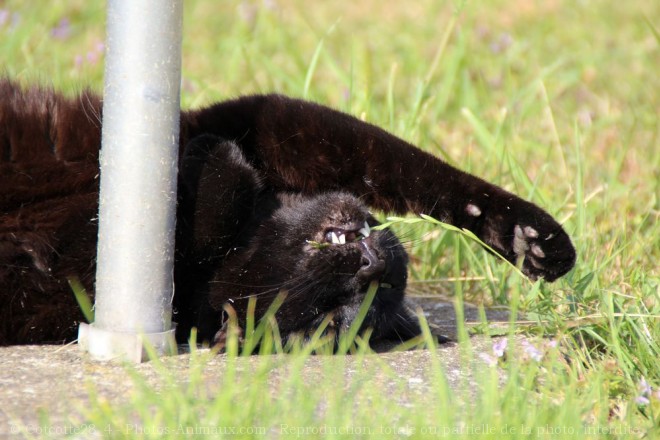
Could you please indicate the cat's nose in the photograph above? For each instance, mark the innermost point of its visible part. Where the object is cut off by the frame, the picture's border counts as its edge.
(372, 267)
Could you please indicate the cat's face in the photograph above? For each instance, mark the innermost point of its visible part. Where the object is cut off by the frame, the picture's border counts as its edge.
(321, 251)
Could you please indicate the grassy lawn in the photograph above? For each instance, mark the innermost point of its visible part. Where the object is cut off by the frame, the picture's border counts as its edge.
(558, 101)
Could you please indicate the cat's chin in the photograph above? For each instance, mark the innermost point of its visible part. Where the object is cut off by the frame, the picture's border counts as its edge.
(384, 287)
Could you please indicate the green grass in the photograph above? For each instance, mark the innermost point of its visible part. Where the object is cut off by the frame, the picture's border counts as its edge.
(557, 101)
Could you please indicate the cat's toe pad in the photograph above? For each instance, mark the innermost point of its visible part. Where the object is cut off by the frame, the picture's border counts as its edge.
(523, 241)
(520, 244)
(537, 251)
(526, 246)
(543, 256)
(473, 210)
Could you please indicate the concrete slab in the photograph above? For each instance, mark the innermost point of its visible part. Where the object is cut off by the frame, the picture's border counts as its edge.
(57, 379)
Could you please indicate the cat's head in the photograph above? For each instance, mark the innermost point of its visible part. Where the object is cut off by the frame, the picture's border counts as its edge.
(323, 252)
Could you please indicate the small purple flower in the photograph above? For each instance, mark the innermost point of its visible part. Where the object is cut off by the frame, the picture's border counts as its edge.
(270, 5)
(644, 387)
(499, 347)
(62, 30)
(645, 392)
(502, 43)
(4, 17)
(9, 18)
(187, 85)
(491, 361)
(346, 94)
(247, 12)
(92, 57)
(532, 351)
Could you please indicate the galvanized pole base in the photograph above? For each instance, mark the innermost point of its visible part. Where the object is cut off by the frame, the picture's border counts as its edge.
(137, 206)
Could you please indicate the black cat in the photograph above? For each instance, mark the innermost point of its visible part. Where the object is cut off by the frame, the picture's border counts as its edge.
(250, 241)
(288, 213)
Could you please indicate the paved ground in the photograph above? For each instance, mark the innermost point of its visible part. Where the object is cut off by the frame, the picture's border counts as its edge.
(58, 379)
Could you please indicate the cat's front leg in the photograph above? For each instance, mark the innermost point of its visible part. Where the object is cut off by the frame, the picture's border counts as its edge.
(304, 147)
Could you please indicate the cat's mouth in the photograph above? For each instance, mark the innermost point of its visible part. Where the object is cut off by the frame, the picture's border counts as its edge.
(352, 233)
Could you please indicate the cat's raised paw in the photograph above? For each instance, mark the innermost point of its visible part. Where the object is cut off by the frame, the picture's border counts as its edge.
(548, 255)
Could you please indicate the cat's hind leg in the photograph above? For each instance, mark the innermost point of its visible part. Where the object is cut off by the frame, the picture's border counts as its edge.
(218, 190)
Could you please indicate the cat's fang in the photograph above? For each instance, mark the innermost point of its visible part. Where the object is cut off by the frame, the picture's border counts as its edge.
(342, 239)
(335, 239)
(366, 231)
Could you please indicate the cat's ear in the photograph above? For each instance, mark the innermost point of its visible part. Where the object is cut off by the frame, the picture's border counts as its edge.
(217, 193)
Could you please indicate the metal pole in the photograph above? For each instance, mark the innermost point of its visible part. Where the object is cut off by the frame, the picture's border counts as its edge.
(140, 138)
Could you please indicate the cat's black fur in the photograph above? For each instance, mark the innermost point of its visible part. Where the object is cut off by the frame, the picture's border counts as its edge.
(273, 242)
(264, 182)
